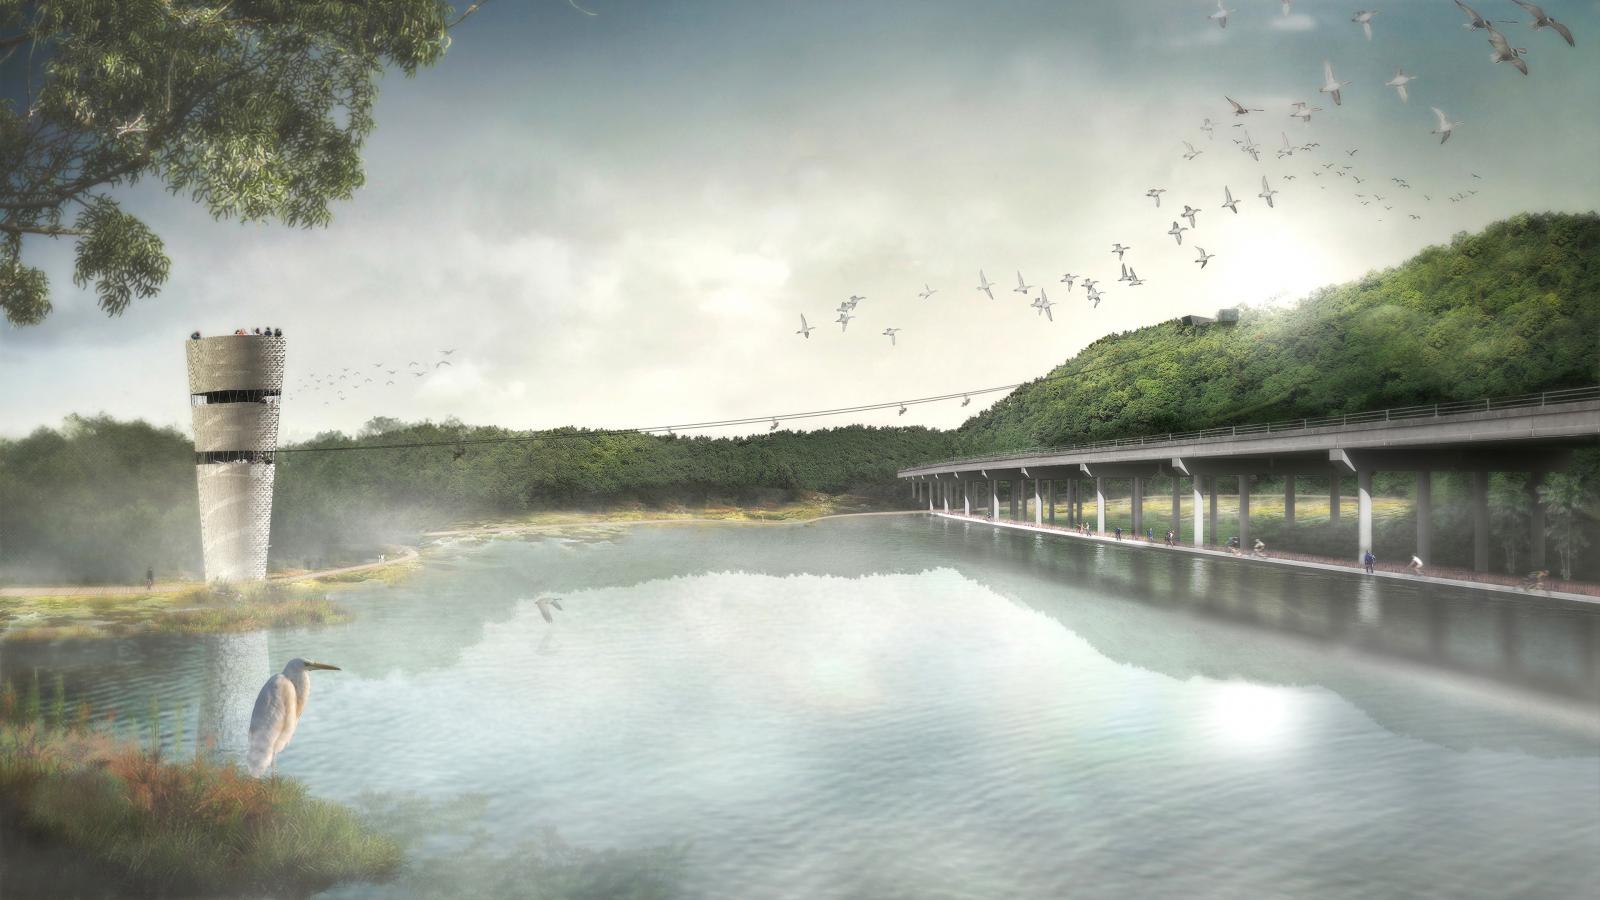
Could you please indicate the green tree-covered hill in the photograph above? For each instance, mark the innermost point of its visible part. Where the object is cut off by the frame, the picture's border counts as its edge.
(1513, 309)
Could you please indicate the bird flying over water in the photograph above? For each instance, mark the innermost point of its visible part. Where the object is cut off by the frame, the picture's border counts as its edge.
(1238, 108)
(805, 330)
(277, 713)
(1330, 85)
(984, 284)
(1541, 20)
(1445, 125)
(1266, 192)
(1364, 19)
(1220, 16)
(1504, 52)
(1474, 20)
(1399, 82)
(1229, 203)
(544, 603)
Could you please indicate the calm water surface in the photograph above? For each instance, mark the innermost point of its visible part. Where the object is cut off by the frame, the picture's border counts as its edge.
(912, 707)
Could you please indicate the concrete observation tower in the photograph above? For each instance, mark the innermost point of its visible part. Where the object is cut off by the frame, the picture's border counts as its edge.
(235, 383)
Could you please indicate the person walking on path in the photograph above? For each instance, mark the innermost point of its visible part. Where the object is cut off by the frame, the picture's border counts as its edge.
(1172, 539)
(1260, 549)
(1415, 565)
(149, 579)
(1118, 532)
(1368, 560)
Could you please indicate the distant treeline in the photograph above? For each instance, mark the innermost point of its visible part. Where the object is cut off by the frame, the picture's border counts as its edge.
(1514, 309)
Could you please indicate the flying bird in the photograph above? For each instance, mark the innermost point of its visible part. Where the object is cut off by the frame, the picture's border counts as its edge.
(447, 352)
(1191, 153)
(890, 333)
(965, 399)
(1445, 125)
(1189, 213)
(1541, 20)
(1399, 82)
(1330, 85)
(1230, 203)
(844, 321)
(1220, 16)
(1043, 305)
(1364, 19)
(1288, 148)
(1022, 286)
(984, 284)
(544, 604)
(773, 426)
(1238, 109)
(1155, 194)
(1208, 128)
(1286, 6)
(1504, 52)
(1068, 279)
(277, 713)
(1266, 192)
(1119, 249)
(805, 329)
(927, 291)
(1204, 257)
(1177, 232)
(442, 362)
(1133, 279)
(902, 409)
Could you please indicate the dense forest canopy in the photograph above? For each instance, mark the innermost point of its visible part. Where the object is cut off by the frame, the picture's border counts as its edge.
(1514, 309)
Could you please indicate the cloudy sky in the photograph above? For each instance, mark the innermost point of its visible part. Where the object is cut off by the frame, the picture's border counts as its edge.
(617, 220)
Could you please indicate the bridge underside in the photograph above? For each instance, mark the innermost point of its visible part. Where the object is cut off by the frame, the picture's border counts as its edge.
(1535, 441)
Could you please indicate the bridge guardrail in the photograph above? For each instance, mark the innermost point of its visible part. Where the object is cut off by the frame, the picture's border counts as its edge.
(1395, 414)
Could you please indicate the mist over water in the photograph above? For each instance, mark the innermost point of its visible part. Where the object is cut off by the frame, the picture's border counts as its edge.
(910, 707)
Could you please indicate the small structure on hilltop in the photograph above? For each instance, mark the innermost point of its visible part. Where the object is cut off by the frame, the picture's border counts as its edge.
(235, 383)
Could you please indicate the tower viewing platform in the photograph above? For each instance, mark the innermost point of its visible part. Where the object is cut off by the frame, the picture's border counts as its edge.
(235, 383)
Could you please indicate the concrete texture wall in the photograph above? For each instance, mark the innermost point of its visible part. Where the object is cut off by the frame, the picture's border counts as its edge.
(235, 519)
(235, 497)
(235, 363)
(236, 426)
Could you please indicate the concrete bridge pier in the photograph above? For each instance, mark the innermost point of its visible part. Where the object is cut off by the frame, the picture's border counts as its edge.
(1038, 502)
(1177, 507)
(1424, 515)
(1211, 512)
(1363, 512)
(1333, 497)
(1100, 505)
(1480, 521)
(1137, 499)
(994, 499)
(1288, 499)
(1011, 488)
(1536, 523)
(966, 497)
(1244, 514)
(1052, 501)
(1197, 485)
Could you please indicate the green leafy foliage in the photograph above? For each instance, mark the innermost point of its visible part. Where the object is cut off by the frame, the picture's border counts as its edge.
(1514, 309)
(256, 109)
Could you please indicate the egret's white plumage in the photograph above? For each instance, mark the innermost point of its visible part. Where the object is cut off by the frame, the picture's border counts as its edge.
(277, 713)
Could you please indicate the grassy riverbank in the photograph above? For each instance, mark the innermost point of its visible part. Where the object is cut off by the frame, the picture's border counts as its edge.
(78, 807)
(198, 610)
(807, 508)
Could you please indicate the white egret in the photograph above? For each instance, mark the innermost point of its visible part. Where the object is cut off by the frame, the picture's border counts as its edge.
(278, 709)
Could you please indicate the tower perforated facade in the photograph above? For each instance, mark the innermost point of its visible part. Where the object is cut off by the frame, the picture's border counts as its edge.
(235, 384)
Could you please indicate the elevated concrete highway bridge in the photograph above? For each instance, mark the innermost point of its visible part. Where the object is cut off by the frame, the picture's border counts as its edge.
(1534, 434)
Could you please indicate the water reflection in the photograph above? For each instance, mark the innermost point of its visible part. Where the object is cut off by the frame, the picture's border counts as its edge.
(918, 707)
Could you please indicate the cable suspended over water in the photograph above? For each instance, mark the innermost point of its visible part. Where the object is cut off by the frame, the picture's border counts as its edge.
(724, 423)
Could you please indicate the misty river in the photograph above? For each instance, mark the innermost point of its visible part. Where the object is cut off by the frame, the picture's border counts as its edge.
(905, 706)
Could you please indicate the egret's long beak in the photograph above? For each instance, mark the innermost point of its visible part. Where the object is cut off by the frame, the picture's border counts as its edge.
(317, 665)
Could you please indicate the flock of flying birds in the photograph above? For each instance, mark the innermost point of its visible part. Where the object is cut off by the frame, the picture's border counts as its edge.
(332, 385)
(1300, 109)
